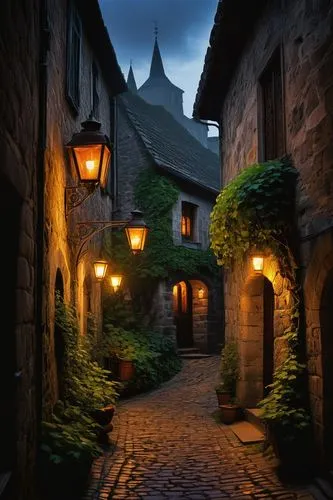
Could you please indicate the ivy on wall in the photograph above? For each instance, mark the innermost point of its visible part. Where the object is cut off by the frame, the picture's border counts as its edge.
(156, 195)
(255, 211)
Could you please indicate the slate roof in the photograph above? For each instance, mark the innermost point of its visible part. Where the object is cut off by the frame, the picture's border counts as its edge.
(171, 146)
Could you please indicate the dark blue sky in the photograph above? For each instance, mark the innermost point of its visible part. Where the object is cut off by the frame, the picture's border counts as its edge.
(183, 33)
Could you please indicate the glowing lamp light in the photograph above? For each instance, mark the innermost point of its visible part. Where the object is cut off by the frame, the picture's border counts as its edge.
(91, 153)
(200, 293)
(100, 268)
(136, 232)
(116, 280)
(258, 264)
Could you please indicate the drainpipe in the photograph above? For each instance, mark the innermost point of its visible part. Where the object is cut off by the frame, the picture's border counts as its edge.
(44, 42)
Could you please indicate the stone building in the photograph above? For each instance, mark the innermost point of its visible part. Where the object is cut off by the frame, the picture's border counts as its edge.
(268, 80)
(152, 135)
(57, 65)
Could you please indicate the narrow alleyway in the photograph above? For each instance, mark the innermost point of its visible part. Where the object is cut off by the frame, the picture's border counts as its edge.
(168, 445)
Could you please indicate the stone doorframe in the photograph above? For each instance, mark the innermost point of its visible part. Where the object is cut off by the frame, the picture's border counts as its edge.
(316, 278)
(250, 388)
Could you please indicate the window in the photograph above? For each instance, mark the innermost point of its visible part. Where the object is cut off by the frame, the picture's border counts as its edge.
(188, 221)
(271, 121)
(73, 57)
(94, 91)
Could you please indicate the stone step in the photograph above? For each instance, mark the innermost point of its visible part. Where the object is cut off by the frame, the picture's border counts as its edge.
(252, 415)
(188, 350)
(247, 433)
(194, 356)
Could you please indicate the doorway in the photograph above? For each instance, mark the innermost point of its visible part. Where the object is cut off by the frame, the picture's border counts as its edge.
(182, 307)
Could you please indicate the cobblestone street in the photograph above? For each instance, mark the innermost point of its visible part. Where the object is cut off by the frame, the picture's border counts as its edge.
(168, 445)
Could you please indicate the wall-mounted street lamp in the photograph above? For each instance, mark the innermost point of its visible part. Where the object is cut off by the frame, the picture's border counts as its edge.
(100, 267)
(116, 280)
(201, 293)
(258, 263)
(135, 227)
(90, 151)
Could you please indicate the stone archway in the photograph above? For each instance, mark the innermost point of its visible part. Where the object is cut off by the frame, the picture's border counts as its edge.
(318, 302)
(256, 341)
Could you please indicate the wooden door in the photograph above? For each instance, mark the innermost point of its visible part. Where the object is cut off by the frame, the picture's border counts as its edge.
(183, 314)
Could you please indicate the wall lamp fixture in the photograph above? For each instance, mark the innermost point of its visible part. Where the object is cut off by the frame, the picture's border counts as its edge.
(136, 231)
(258, 263)
(90, 150)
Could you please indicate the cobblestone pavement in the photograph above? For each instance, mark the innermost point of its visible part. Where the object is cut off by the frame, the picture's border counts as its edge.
(167, 445)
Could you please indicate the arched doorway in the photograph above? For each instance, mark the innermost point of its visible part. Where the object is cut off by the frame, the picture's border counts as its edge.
(59, 341)
(10, 213)
(326, 323)
(256, 340)
(182, 309)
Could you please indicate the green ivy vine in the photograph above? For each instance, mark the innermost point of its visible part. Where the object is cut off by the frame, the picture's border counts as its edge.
(255, 212)
(156, 195)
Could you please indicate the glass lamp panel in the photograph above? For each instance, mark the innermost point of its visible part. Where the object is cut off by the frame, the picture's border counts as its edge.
(116, 281)
(100, 268)
(136, 238)
(88, 162)
(105, 166)
(258, 263)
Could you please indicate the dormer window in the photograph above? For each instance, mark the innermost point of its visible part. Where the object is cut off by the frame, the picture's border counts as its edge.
(188, 221)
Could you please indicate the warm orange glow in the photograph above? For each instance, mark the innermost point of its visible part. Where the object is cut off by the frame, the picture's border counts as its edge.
(200, 293)
(116, 280)
(136, 238)
(258, 264)
(88, 161)
(105, 167)
(100, 268)
(183, 289)
(186, 226)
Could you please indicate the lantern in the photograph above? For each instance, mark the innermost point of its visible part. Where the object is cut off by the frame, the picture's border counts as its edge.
(100, 268)
(136, 231)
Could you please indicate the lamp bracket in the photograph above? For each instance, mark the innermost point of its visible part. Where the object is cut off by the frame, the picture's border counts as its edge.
(84, 231)
(75, 195)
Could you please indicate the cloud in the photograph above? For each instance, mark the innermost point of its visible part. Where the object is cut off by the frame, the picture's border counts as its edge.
(183, 35)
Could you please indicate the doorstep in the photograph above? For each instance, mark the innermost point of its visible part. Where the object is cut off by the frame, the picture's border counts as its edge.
(247, 433)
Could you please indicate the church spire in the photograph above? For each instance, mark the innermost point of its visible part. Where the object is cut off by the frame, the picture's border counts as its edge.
(156, 67)
(131, 83)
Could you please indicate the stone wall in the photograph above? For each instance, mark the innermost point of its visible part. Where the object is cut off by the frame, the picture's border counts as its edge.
(60, 248)
(303, 29)
(19, 51)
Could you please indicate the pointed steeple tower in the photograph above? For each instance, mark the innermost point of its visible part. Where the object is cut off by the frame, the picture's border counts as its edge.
(156, 67)
(158, 89)
(131, 83)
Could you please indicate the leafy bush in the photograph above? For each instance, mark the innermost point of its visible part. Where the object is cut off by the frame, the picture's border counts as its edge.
(154, 355)
(229, 367)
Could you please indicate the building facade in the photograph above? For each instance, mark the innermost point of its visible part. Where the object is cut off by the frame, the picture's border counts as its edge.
(267, 79)
(151, 134)
(59, 68)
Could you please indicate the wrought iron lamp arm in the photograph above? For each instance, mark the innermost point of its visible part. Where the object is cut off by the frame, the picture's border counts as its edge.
(86, 230)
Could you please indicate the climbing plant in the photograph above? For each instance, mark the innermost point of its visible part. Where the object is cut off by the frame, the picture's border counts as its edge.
(255, 211)
(156, 195)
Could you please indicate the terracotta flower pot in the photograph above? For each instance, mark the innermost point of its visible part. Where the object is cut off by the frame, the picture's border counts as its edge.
(229, 413)
(126, 369)
(223, 398)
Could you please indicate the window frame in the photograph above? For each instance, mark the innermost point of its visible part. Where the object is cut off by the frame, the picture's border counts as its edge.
(192, 208)
(276, 55)
(73, 63)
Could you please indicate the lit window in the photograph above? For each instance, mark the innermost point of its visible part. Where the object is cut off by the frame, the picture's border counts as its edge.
(187, 220)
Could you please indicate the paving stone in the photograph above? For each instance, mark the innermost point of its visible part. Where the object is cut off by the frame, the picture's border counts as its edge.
(166, 445)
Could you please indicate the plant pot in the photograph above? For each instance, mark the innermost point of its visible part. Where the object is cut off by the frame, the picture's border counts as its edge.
(223, 398)
(103, 416)
(126, 370)
(229, 413)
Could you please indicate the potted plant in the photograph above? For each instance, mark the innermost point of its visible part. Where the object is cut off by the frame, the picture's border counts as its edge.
(226, 390)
